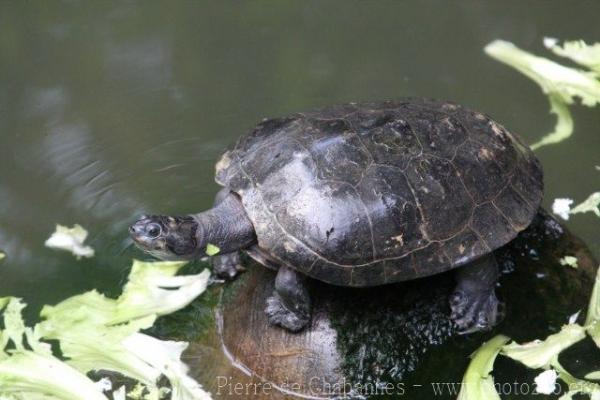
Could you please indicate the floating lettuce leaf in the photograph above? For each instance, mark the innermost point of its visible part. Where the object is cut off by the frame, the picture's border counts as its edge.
(562, 208)
(212, 250)
(103, 340)
(593, 375)
(592, 326)
(166, 357)
(152, 289)
(2, 255)
(576, 386)
(13, 322)
(578, 51)
(564, 123)
(95, 332)
(477, 383)
(591, 204)
(26, 372)
(71, 240)
(544, 353)
(95, 347)
(592, 320)
(36, 374)
(545, 382)
(561, 84)
(569, 261)
(564, 82)
(593, 329)
(89, 308)
(4, 302)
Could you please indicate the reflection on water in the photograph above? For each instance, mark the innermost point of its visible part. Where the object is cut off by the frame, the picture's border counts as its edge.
(111, 109)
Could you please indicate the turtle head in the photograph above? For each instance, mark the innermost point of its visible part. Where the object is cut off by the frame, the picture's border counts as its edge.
(166, 237)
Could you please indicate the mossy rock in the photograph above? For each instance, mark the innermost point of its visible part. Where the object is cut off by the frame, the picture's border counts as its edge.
(384, 341)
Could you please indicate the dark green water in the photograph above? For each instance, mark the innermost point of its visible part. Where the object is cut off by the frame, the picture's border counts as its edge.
(111, 109)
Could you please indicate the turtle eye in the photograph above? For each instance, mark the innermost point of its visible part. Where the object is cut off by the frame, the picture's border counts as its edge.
(153, 230)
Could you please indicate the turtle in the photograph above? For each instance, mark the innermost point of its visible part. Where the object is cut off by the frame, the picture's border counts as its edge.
(360, 195)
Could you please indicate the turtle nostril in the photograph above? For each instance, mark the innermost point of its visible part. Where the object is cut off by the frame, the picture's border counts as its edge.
(131, 229)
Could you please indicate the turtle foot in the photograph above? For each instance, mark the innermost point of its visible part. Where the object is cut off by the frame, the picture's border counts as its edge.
(475, 312)
(228, 266)
(278, 314)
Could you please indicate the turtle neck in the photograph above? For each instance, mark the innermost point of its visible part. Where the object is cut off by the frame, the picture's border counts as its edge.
(226, 226)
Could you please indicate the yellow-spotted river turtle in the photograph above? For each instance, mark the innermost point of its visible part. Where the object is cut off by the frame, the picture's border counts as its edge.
(364, 195)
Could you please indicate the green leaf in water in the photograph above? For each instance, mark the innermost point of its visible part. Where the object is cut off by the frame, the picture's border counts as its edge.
(26, 373)
(591, 204)
(165, 356)
(2, 255)
(569, 261)
(477, 383)
(36, 373)
(71, 240)
(152, 289)
(13, 322)
(578, 51)
(593, 329)
(543, 353)
(576, 386)
(561, 84)
(562, 207)
(564, 124)
(95, 332)
(91, 347)
(545, 382)
(553, 78)
(592, 320)
(593, 375)
(212, 250)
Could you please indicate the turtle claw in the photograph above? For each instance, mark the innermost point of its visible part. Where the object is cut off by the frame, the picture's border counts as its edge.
(478, 312)
(278, 314)
(227, 266)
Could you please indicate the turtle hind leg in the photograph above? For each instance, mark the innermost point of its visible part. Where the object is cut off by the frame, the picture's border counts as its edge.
(289, 307)
(474, 305)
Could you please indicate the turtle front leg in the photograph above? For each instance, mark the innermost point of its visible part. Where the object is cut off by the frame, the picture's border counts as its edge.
(289, 307)
(227, 266)
(474, 304)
